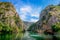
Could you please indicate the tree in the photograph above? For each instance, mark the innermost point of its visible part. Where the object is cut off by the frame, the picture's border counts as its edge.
(56, 30)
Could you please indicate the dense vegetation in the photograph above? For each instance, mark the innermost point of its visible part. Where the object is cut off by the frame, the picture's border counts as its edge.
(56, 30)
(9, 19)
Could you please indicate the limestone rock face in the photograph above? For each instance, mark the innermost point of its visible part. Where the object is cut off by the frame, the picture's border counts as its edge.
(9, 16)
(48, 16)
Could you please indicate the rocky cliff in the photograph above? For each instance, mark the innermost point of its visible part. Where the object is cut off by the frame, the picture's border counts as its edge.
(27, 24)
(49, 16)
(9, 18)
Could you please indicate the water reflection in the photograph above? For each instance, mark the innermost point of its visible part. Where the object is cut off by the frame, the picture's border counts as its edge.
(11, 36)
(24, 36)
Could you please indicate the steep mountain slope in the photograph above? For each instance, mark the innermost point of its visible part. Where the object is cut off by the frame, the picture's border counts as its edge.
(27, 24)
(49, 16)
(9, 19)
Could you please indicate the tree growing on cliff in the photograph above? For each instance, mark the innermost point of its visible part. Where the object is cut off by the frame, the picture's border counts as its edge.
(56, 30)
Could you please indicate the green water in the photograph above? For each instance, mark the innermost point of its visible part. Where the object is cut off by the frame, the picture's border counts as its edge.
(11, 36)
(22, 36)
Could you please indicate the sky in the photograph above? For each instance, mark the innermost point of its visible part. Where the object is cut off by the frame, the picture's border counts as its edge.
(29, 10)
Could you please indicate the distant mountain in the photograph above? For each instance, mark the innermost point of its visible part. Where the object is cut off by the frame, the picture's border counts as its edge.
(9, 18)
(27, 24)
(49, 16)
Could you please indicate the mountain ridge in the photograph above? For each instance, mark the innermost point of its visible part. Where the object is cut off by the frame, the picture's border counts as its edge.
(49, 16)
(9, 18)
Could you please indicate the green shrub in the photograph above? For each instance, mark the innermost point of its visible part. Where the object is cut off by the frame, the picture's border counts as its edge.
(56, 27)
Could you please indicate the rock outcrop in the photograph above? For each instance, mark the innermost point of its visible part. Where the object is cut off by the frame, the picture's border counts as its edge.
(49, 16)
(9, 17)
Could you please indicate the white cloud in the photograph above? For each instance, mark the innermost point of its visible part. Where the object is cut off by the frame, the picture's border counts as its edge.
(36, 12)
(23, 17)
(26, 9)
(23, 12)
(33, 12)
(33, 20)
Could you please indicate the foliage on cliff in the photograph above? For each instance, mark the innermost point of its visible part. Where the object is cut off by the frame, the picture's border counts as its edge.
(49, 16)
(9, 18)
